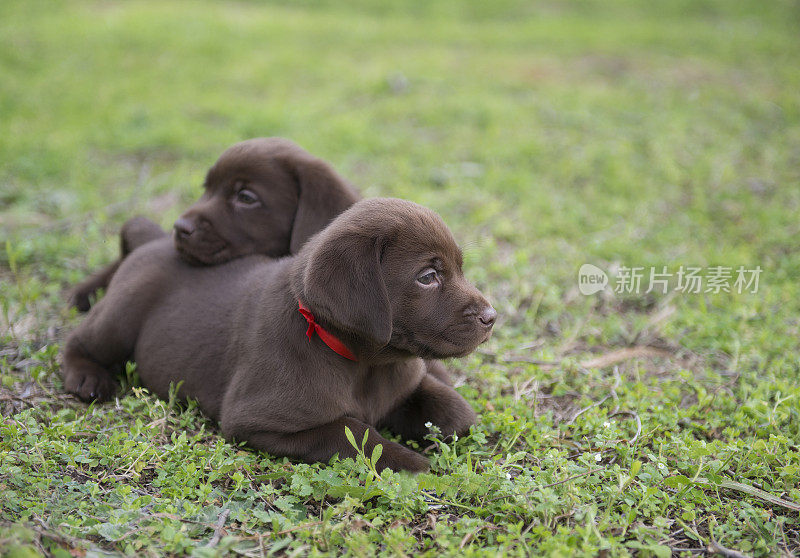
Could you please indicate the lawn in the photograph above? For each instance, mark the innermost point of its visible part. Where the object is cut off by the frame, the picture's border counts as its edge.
(634, 136)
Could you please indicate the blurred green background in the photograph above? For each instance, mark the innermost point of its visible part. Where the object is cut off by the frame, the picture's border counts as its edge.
(547, 134)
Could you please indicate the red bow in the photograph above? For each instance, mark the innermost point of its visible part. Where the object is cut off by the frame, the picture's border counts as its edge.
(328, 338)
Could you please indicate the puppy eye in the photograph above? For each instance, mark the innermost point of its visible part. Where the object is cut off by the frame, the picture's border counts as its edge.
(428, 277)
(246, 197)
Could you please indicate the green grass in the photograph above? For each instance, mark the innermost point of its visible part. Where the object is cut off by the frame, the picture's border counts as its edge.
(547, 135)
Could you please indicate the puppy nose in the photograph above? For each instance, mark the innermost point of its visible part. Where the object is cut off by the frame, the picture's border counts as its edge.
(487, 316)
(183, 227)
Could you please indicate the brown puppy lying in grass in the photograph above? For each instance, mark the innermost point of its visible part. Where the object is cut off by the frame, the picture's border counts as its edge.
(262, 196)
(382, 283)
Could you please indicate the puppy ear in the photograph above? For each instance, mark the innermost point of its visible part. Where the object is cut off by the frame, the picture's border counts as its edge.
(323, 195)
(343, 284)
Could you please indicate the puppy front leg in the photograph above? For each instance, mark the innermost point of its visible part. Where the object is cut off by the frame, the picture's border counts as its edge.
(103, 340)
(434, 402)
(80, 296)
(135, 232)
(322, 442)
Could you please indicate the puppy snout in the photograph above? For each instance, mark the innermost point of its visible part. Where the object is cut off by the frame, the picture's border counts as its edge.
(487, 316)
(183, 227)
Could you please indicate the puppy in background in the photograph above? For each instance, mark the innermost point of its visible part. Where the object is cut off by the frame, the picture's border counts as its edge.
(286, 353)
(262, 196)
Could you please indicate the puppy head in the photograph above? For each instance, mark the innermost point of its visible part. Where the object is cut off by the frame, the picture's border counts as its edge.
(388, 272)
(262, 196)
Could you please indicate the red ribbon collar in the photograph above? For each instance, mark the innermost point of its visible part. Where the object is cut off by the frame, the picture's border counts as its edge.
(328, 338)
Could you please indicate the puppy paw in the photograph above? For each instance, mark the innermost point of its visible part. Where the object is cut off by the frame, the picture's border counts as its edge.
(459, 417)
(433, 402)
(80, 299)
(400, 458)
(90, 385)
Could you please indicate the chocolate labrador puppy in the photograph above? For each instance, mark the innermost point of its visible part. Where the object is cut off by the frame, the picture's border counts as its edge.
(286, 353)
(262, 196)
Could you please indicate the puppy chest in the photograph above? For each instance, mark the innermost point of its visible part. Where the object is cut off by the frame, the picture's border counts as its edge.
(382, 388)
